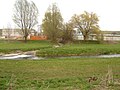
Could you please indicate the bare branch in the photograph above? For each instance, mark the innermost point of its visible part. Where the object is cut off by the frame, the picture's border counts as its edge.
(25, 16)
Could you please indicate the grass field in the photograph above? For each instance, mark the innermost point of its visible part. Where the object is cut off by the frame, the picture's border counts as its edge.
(56, 74)
(80, 50)
(46, 49)
(12, 46)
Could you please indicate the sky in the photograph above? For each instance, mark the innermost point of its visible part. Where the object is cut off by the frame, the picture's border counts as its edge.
(108, 11)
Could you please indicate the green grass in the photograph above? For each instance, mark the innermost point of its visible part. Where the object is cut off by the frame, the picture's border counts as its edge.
(80, 50)
(12, 46)
(55, 74)
(46, 49)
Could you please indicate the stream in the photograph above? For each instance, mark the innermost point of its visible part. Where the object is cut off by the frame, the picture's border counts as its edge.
(20, 56)
(33, 57)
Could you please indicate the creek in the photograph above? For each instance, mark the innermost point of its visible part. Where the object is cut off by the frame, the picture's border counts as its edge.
(33, 57)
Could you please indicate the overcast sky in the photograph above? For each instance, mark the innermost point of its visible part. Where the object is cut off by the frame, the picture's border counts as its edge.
(107, 10)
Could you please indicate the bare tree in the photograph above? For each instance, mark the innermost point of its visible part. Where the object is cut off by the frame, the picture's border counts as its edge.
(67, 32)
(25, 16)
(8, 31)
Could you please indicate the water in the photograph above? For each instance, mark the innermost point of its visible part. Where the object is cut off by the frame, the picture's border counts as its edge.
(98, 56)
(17, 56)
(32, 57)
(109, 56)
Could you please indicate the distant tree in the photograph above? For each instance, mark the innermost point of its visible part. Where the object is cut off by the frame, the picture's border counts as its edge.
(86, 23)
(52, 23)
(25, 16)
(67, 32)
(100, 36)
(8, 31)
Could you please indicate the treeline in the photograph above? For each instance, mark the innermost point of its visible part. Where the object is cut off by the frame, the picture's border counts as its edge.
(53, 25)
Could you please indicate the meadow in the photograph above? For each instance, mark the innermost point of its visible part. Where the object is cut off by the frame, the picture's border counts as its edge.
(13, 46)
(47, 49)
(80, 49)
(57, 74)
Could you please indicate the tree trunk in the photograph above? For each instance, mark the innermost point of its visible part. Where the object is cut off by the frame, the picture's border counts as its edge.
(85, 37)
(25, 39)
(26, 35)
